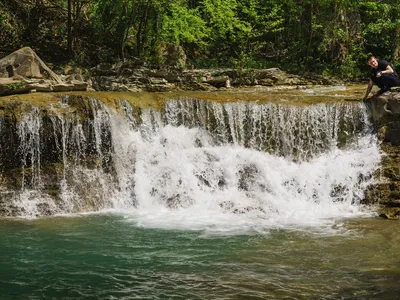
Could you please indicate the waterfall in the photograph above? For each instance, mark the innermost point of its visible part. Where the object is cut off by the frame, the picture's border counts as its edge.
(194, 162)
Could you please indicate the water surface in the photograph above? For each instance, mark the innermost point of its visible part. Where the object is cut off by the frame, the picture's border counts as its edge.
(111, 256)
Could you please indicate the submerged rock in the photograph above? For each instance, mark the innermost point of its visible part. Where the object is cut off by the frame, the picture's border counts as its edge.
(390, 214)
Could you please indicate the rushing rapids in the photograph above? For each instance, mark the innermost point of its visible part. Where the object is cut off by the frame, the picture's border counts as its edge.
(192, 160)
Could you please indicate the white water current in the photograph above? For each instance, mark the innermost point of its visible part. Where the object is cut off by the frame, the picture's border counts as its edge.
(233, 188)
(199, 164)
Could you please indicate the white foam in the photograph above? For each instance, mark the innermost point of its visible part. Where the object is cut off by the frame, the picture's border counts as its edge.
(180, 185)
(212, 172)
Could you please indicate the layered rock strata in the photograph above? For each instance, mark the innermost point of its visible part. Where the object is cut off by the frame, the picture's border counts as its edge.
(385, 112)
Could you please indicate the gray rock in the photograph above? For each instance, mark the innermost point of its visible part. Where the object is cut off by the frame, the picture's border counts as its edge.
(41, 87)
(23, 71)
(170, 55)
(63, 87)
(385, 112)
(157, 81)
(26, 63)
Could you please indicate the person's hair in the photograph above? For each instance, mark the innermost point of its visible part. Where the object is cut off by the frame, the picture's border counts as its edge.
(370, 57)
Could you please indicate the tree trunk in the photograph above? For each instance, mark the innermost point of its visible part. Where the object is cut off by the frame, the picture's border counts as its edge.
(140, 32)
(122, 28)
(396, 44)
(69, 27)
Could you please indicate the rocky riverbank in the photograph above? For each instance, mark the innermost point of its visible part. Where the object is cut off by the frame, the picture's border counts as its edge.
(385, 112)
(23, 72)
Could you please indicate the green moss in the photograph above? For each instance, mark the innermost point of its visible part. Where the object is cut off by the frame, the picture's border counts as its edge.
(290, 94)
(16, 85)
(392, 173)
(394, 195)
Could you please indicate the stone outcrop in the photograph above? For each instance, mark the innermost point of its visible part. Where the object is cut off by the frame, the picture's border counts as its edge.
(25, 62)
(130, 76)
(170, 55)
(385, 112)
(23, 71)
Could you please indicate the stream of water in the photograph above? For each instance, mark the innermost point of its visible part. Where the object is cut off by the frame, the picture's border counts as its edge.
(200, 200)
(116, 257)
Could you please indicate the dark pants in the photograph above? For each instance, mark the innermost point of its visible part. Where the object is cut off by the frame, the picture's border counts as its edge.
(386, 81)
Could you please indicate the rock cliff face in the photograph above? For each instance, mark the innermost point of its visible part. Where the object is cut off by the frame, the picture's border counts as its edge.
(68, 153)
(42, 151)
(385, 110)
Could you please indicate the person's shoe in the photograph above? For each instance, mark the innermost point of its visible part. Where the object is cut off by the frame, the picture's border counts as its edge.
(384, 91)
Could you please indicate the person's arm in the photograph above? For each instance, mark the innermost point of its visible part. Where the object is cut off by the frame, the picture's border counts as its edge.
(369, 88)
(388, 70)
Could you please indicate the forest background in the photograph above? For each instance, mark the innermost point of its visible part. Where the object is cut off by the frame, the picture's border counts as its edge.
(300, 36)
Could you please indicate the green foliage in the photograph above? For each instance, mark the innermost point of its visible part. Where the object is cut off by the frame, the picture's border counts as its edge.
(16, 85)
(184, 25)
(319, 36)
(221, 15)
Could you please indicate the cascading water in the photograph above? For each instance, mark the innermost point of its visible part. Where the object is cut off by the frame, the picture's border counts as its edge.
(247, 165)
(199, 163)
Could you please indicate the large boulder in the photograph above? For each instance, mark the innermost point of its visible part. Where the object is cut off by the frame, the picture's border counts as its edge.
(23, 71)
(26, 63)
(274, 76)
(171, 55)
(385, 112)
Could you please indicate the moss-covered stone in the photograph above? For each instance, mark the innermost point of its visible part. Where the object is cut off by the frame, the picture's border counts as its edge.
(385, 110)
(389, 213)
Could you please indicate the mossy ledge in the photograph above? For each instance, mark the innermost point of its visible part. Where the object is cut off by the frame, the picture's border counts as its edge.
(385, 112)
(77, 108)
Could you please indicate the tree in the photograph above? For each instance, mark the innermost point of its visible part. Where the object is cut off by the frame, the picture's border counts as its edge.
(69, 26)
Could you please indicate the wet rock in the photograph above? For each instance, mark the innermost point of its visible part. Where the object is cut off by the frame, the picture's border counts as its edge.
(390, 214)
(250, 179)
(385, 113)
(229, 206)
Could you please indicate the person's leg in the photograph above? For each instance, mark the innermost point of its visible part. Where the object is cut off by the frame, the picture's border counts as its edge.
(389, 81)
(378, 81)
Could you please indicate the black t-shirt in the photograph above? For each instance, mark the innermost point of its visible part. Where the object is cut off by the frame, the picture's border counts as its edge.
(382, 65)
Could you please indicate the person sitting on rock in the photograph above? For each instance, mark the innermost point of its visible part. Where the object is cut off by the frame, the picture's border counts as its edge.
(382, 74)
